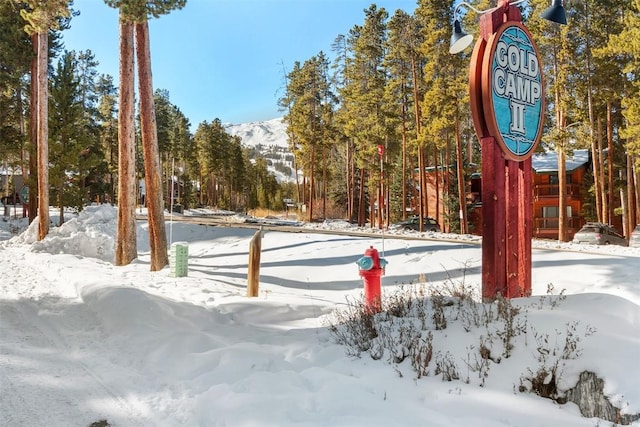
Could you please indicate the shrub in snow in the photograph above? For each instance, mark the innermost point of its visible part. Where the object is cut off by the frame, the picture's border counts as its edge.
(552, 359)
(419, 328)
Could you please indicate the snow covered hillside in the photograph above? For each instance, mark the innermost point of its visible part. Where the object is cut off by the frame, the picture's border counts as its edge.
(268, 133)
(267, 139)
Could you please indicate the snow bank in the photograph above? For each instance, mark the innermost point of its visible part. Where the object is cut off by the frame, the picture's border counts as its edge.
(90, 234)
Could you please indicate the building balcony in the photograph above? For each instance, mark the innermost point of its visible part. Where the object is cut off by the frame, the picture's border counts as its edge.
(552, 191)
(547, 228)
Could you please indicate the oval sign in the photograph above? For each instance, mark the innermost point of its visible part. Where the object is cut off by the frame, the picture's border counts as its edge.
(513, 91)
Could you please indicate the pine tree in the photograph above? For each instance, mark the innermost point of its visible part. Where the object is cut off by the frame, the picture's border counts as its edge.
(126, 239)
(66, 114)
(343, 192)
(624, 47)
(362, 102)
(217, 154)
(310, 120)
(405, 70)
(151, 155)
(444, 84)
(163, 107)
(174, 138)
(15, 57)
(600, 84)
(137, 12)
(42, 17)
(583, 91)
(108, 134)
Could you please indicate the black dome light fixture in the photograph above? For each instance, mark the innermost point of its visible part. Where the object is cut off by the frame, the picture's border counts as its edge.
(460, 40)
(555, 13)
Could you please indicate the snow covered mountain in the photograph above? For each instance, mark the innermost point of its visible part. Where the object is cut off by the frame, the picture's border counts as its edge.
(267, 139)
(268, 133)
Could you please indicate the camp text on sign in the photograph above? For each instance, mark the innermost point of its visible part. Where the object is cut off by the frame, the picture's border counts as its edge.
(515, 113)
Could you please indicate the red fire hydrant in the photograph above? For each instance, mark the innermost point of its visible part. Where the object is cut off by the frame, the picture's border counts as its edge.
(371, 268)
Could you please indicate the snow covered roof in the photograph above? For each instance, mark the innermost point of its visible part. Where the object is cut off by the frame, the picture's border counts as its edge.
(10, 170)
(548, 162)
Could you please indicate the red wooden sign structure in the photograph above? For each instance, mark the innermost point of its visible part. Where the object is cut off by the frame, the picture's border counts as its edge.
(507, 217)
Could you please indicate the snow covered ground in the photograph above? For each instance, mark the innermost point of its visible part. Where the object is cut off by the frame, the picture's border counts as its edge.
(82, 340)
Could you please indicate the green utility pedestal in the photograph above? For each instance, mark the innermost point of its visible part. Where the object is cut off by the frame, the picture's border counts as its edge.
(179, 259)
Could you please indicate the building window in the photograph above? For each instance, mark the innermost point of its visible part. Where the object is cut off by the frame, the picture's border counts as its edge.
(553, 179)
(553, 185)
(550, 216)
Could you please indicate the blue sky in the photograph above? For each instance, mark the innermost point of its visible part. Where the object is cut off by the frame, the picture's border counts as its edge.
(224, 58)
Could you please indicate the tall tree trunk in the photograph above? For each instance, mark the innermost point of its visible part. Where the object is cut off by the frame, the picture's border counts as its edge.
(562, 173)
(446, 184)
(636, 185)
(126, 242)
(361, 199)
(299, 199)
(423, 188)
(386, 188)
(373, 193)
(168, 173)
(153, 175)
(625, 212)
(595, 155)
(21, 119)
(631, 195)
(562, 198)
(304, 190)
(380, 191)
(61, 204)
(350, 173)
(312, 183)
(379, 212)
(33, 134)
(324, 183)
(111, 194)
(603, 193)
(413, 193)
(423, 204)
(437, 180)
(462, 195)
(596, 164)
(403, 182)
(43, 136)
(610, 161)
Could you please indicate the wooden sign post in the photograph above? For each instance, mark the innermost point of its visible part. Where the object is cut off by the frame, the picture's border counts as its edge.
(253, 274)
(507, 104)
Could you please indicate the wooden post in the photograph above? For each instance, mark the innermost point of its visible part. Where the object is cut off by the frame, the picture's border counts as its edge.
(494, 220)
(526, 224)
(253, 274)
(507, 217)
(513, 254)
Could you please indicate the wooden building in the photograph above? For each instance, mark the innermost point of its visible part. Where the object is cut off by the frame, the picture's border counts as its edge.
(545, 195)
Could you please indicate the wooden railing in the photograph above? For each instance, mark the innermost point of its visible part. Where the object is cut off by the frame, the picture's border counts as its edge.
(541, 191)
(550, 224)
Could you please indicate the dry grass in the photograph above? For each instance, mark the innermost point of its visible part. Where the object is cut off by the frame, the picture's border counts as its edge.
(263, 213)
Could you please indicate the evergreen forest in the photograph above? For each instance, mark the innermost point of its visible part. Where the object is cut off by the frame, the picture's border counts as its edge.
(370, 121)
